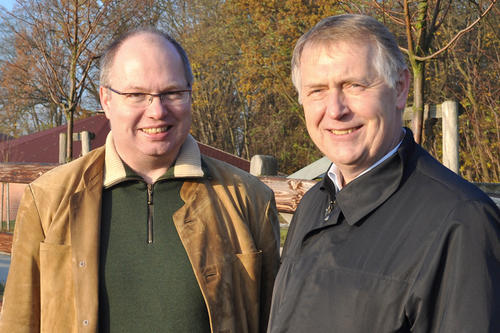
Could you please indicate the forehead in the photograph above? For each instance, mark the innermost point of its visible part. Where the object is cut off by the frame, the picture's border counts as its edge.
(339, 58)
(356, 49)
(143, 46)
(145, 58)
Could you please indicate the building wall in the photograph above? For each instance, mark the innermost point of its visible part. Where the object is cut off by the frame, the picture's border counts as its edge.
(15, 194)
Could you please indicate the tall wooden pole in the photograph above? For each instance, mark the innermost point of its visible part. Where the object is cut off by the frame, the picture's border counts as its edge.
(85, 138)
(62, 148)
(1, 210)
(450, 136)
(8, 208)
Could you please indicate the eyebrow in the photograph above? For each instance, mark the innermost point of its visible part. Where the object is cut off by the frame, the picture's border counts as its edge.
(172, 87)
(315, 85)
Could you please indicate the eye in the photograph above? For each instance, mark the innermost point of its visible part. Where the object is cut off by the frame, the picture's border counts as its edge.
(174, 95)
(315, 93)
(354, 87)
(135, 97)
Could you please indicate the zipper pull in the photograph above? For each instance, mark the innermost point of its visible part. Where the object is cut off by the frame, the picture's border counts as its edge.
(150, 214)
(328, 210)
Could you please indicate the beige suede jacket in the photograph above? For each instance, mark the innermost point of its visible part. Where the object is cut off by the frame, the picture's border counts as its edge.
(228, 226)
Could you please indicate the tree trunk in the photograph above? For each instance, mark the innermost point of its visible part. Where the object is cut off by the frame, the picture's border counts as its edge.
(418, 100)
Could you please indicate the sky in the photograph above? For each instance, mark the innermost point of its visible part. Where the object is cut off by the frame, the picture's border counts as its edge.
(7, 3)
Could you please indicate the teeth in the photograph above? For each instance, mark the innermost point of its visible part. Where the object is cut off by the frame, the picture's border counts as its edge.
(342, 132)
(154, 130)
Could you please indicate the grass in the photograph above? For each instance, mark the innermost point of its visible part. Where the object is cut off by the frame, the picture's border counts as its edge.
(283, 232)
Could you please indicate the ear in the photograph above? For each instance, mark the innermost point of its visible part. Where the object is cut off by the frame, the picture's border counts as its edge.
(402, 88)
(105, 97)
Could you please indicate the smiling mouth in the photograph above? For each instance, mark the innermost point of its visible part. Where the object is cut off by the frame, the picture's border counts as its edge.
(155, 130)
(345, 131)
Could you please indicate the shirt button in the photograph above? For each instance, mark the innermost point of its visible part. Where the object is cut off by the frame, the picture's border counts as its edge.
(85, 322)
(81, 263)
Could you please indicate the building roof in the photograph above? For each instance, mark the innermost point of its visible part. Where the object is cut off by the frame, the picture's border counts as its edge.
(43, 147)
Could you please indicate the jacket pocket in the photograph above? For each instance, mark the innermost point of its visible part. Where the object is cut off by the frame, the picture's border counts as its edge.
(232, 288)
(247, 269)
(57, 310)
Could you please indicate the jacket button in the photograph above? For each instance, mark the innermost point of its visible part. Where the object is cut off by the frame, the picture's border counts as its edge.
(81, 263)
(85, 322)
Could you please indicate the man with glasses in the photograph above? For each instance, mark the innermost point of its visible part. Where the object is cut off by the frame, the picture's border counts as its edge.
(143, 234)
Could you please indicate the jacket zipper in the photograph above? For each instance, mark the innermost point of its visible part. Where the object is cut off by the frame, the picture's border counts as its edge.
(328, 210)
(150, 213)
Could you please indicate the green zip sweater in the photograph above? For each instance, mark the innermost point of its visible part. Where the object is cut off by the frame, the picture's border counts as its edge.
(147, 283)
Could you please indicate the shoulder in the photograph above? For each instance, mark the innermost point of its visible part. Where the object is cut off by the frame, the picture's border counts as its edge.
(439, 181)
(446, 200)
(69, 175)
(229, 175)
(430, 180)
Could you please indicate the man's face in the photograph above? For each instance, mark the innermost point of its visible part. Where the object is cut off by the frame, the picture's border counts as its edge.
(146, 63)
(352, 115)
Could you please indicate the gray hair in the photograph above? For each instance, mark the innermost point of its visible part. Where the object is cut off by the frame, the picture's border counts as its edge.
(355, 28)
(108, 56)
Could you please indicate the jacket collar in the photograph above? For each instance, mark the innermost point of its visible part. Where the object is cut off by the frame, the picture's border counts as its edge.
(367, 192)
(187, 165)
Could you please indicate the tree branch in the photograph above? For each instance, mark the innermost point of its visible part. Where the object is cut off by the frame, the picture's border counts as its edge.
(458, 35)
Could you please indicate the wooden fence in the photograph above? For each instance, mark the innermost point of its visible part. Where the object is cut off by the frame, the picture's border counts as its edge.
(288, 192)
(448, 112)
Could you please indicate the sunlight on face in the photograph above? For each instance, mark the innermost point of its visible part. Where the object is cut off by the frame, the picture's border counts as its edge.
(351, 113)
(147, 63)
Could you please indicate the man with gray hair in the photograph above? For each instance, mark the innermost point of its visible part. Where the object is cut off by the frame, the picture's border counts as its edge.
(390, 240)
(144, 234)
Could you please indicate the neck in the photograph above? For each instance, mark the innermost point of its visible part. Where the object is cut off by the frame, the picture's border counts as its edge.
(346, 174)
(150, 169)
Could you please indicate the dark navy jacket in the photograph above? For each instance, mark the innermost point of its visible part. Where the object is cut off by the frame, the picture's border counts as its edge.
(407, 247)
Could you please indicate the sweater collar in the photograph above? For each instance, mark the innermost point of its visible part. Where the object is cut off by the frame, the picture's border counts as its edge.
(187, 165)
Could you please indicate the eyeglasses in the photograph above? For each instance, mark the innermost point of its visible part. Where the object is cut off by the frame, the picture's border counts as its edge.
(167, 98)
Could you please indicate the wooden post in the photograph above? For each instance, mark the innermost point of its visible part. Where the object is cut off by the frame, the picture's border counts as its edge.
(450, 136)
(263, 165)
(8, 208)
(62, 148)
(1, 210)
(85, 138)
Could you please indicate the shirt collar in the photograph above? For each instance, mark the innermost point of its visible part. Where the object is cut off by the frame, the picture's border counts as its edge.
(187, 165)
(364, 194)
(337, 178)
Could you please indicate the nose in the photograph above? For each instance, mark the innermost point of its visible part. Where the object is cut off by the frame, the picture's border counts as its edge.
(336, 104)
(156, 109)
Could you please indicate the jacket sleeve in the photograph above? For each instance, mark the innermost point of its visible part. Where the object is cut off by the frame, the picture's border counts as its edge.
(269, 243)
(21, 303)
(458, 286)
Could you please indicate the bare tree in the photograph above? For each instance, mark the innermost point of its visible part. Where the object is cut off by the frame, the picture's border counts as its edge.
(61, 42)
(421, 20)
